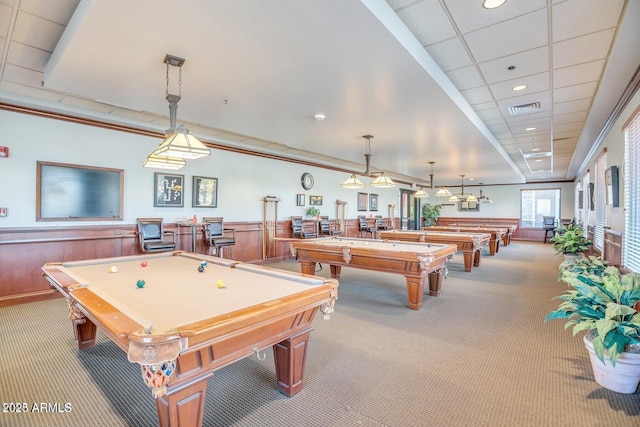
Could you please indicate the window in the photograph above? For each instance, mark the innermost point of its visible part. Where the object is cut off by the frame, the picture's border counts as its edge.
(535, 204)
(631, 241)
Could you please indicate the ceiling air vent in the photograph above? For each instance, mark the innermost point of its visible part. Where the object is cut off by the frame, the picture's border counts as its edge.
(524, 108)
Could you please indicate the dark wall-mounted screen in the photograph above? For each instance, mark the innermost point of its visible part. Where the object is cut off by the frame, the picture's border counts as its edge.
(78, 193)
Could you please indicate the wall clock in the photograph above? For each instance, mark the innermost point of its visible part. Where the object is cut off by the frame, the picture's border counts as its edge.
(307, 181)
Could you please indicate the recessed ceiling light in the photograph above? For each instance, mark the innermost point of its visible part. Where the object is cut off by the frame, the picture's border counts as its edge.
(535, 149)
(492, 4)
(319, 117)
(519, 87)
(528, 129)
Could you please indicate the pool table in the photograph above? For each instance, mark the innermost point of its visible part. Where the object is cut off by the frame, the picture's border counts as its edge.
(415, 261)
(470, 244)
(497, 233)
(183, 324)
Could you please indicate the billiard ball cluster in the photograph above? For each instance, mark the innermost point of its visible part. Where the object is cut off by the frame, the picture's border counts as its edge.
(219, 283)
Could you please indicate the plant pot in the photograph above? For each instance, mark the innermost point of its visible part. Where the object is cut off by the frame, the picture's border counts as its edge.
(623, 378)
(570, 257)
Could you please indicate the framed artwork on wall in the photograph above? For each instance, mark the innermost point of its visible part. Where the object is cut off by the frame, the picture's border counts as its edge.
(300, 200)
(373, 202)
(168, 190)
(315, 200)
(612, 183)
(362, 201)
(468, 206)
(205, 192)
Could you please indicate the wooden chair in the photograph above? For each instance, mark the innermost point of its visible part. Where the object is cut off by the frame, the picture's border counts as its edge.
(297, 229)
(151, 236)
(214, 236)
(549, 225)
(326, 229)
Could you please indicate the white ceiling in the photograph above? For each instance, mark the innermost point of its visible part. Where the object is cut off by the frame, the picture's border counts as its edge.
(429, 79)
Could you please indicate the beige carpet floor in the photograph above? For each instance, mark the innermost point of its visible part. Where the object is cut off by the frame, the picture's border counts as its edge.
(477, 355)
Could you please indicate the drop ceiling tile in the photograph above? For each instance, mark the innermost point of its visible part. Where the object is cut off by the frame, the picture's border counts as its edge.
(22, 76)
(427, 21)
(86, 104)
(581, 73)
(58, 11)
(397, 4)
(535, 83)
(575, 18)
(571, 93)
(529, 62)
(465, 78)
(489, 115)
(571, 106)
(36, 93)
(485, 106)
(587, 48)
(450, 54)
(510, 37)
(570, 117)
(5, 20)
(477, 95)
(470, 15)
(37, 32)
(28, 57)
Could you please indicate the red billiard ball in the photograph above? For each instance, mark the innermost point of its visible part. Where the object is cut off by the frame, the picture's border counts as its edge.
(143, 263)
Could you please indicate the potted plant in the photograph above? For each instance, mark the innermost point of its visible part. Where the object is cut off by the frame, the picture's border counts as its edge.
(430, 214)
(570, 240)
(313, 212)
(606, 304)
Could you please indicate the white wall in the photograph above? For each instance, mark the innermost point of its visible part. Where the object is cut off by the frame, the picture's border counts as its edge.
(506, 200)
(243, 181)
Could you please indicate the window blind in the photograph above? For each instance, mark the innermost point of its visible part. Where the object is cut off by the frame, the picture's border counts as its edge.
(600, 202)
(631, 241)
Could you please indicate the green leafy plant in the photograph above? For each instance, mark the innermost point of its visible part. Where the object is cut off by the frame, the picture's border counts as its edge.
(430, 213)
(570, 240)
(607, 305)
(313, 211)
(584, 265)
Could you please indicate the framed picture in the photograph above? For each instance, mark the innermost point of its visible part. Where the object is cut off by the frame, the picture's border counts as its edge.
(468, 206)
(373, 202)
(205, 192)
(168, 190)
(300, 200)
(592, 199)
(315, 200)
(612, 183)
(362, 201)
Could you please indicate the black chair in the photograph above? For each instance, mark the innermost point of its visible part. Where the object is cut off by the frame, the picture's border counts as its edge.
(326, 229)
(297, 229)
(363, 227)
(549, 226)
(214, 236)
(152, 236)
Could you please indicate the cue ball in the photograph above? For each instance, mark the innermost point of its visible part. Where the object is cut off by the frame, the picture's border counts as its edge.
(200, 269)
(143, 263)
(113, 269)
(140, 283)
(220, 284)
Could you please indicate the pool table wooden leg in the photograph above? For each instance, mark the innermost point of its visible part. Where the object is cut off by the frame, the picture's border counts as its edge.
(476, 258)
(335, 271)
(468, 260)
(290, 357)
(435, 282)
(415, 289)
(183, 407)
(84, 329)
(308, 267)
